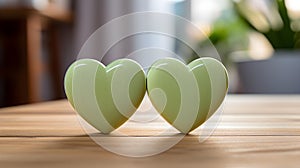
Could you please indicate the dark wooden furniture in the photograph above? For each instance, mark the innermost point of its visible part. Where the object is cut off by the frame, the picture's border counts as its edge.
(29, 53)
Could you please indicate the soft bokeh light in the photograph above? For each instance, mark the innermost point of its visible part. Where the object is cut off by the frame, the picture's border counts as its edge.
(204, 12)
(40, 4)
(293, 5)
(259, 46)
(262, 14)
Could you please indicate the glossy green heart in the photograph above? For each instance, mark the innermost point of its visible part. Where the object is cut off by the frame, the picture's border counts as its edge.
(105, 96)
(186, 96)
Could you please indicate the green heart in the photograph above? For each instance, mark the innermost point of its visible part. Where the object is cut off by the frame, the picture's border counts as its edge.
(105, 96)
(186, 96)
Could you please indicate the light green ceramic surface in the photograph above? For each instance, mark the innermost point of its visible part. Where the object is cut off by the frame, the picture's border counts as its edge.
(105, 96)
(186, 96)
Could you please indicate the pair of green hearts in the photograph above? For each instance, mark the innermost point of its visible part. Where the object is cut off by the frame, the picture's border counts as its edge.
(184, 95)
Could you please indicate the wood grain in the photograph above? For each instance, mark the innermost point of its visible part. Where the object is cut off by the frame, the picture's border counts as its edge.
(255, 131)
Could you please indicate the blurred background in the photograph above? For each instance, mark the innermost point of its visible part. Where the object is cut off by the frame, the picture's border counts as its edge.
(258, 41)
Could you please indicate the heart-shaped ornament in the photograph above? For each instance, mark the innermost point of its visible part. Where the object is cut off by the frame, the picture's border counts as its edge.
(105, 96)
(186, 96)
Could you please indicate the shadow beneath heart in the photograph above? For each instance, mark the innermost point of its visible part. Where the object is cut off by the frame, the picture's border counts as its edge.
(84, 151)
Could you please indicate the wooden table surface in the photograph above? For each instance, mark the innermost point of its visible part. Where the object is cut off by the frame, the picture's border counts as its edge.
(255, 131)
